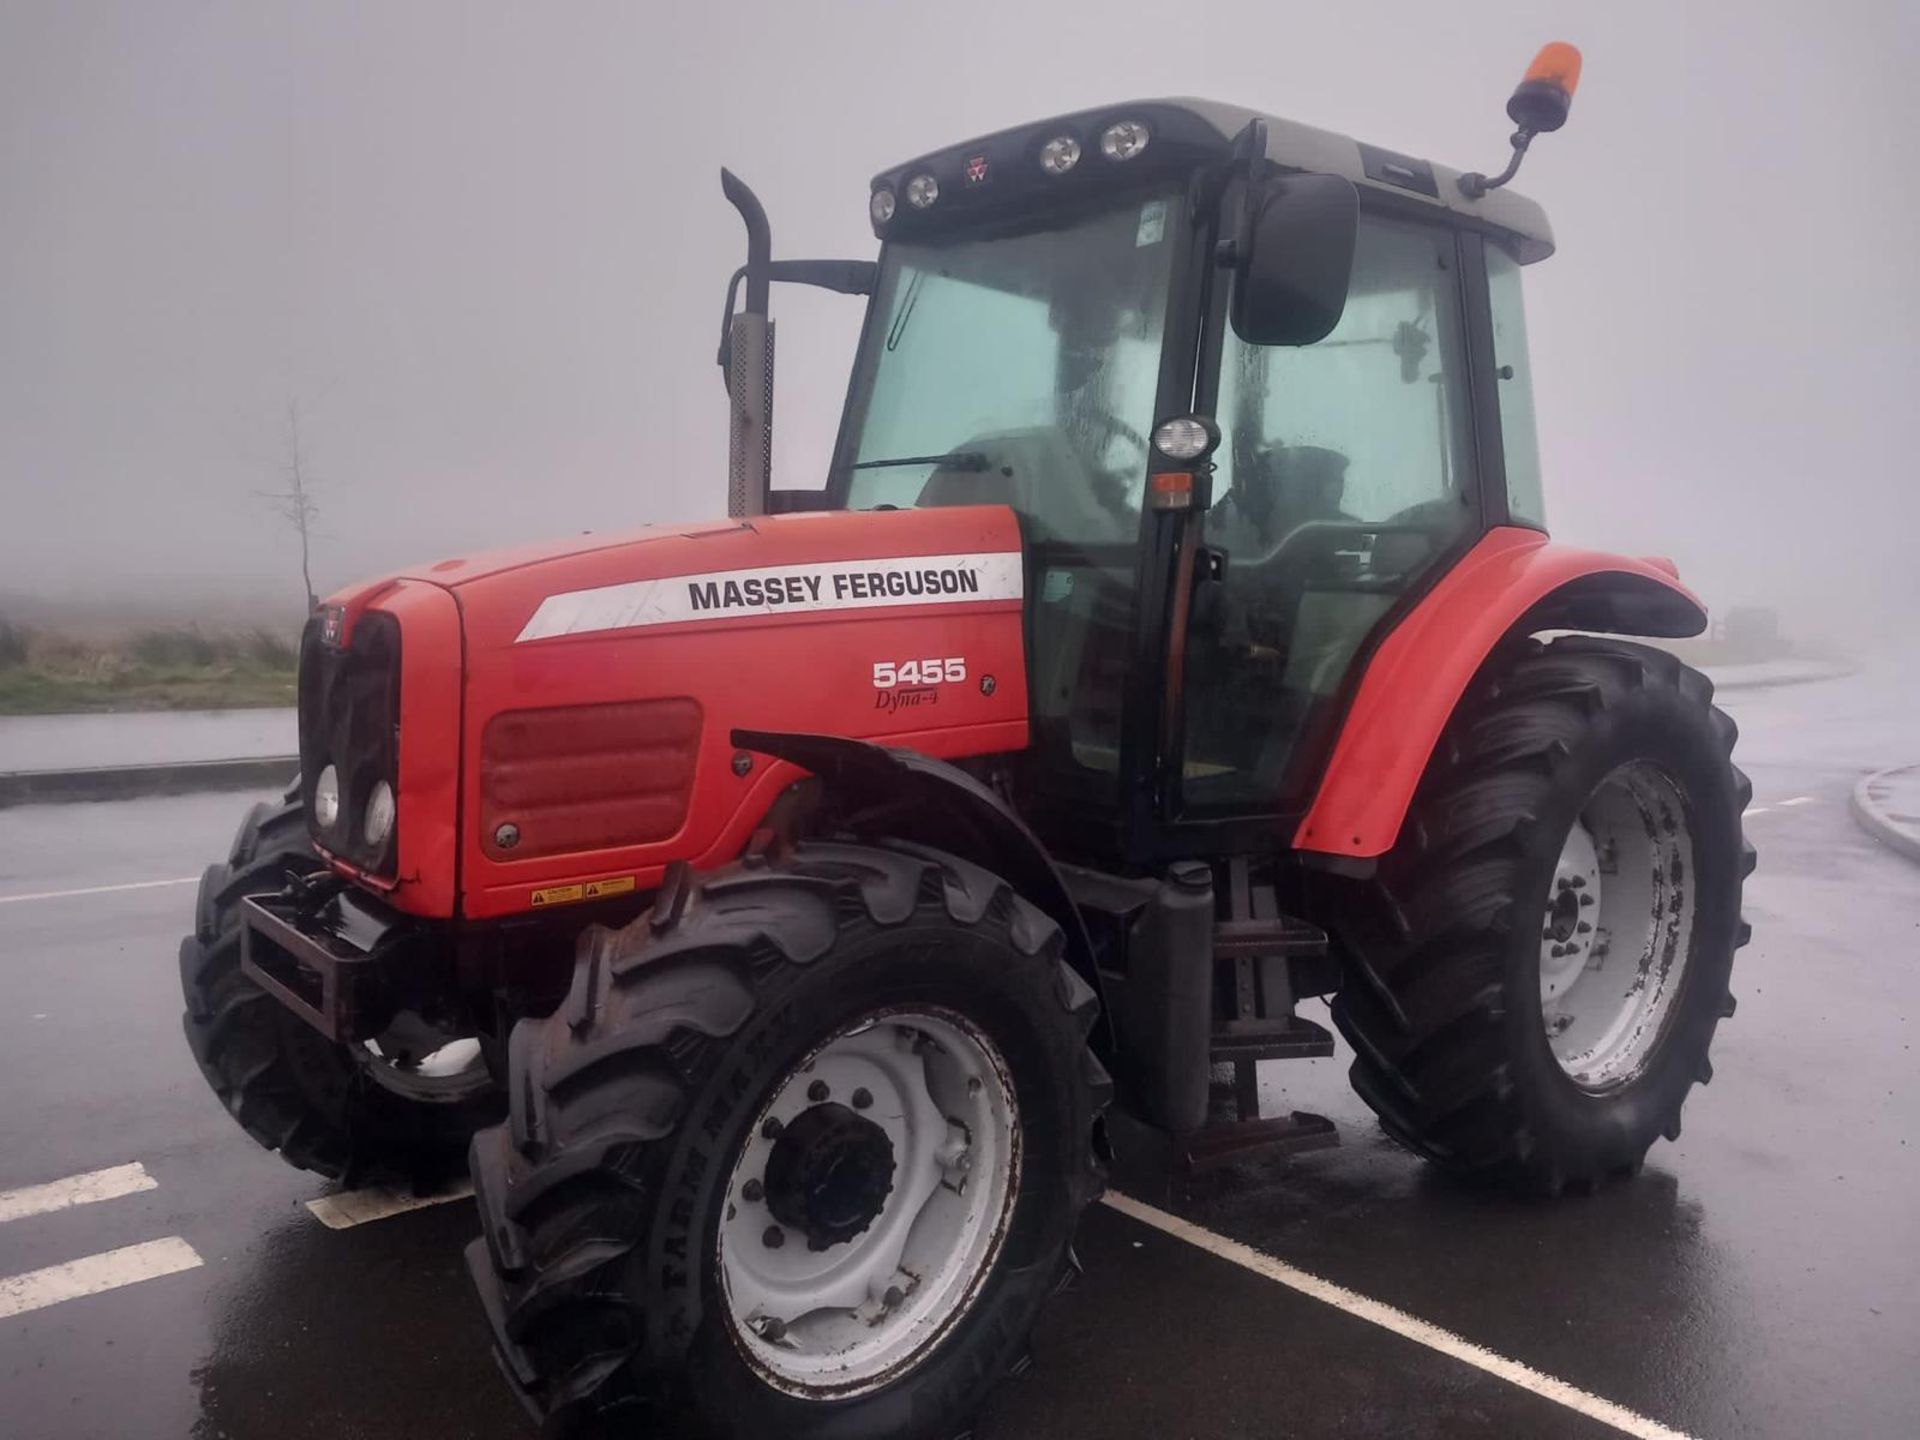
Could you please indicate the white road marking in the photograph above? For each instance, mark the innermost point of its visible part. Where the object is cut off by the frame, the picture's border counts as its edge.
(86, 1189)
(92, 1274)
(1408, 1327)
(1755, 810)
(377, 1202)
(1799, 800)
(97, 890)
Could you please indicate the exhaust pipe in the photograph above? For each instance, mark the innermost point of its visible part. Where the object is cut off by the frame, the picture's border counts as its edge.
(750, 364)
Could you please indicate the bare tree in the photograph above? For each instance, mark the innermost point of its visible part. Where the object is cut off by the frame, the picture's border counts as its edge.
(295, 503)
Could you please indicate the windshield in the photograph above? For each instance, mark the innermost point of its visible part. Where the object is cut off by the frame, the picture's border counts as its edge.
(1018, 370)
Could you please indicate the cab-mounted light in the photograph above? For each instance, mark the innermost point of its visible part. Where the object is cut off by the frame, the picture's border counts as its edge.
(1539, 105)
(1124, 139)
(1186, 437)
(1545, 94)
(880, 206)
(1060, 154)
(922, 191)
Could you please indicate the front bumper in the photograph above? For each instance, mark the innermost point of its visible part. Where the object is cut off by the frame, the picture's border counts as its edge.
(322, 948)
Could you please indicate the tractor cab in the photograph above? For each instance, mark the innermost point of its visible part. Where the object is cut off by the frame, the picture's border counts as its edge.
(1249, 387)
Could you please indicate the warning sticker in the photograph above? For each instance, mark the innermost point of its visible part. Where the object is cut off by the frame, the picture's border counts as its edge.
(591, 890)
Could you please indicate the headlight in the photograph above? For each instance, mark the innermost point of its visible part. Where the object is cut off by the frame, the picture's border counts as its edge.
(326, 798)
(1186, 437)
(1060, 154)
(378, 824)
(1124, 139)
(922, 191)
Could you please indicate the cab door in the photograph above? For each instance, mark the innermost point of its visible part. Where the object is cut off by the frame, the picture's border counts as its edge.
(1345, 479)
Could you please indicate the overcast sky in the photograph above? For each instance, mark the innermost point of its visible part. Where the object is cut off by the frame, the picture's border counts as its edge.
(483, 247)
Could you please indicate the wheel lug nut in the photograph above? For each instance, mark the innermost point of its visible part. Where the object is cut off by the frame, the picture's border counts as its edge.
(1563, 883)
(862, 1098)
(773, 1328)
(1586, 899)
(1584, 926)
(1578, 882)
(894, 1296)
(771, 1129)
(774, 1238)
(753, 1190)
(818, 1091)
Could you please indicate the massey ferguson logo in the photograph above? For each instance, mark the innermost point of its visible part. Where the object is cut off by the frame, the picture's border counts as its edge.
(764, 592)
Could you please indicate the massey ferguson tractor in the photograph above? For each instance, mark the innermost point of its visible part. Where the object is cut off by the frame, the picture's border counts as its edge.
(793, 914)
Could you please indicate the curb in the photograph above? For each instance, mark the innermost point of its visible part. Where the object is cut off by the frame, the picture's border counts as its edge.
(127, 782)
(1874, 819)
(1810, 673)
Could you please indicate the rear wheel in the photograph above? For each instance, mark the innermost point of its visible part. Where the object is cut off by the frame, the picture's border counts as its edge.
(1536, 977)
(404, 1103)
(800, 1155)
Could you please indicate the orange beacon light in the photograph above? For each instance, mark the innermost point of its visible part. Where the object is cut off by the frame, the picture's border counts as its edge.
(1539, 104)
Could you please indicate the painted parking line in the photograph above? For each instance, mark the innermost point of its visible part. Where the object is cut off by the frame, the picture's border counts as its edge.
(96, 890)
(1799, 800)
(357, 1207)
(88, 1189)
(94, 1274)
(1408, 1327)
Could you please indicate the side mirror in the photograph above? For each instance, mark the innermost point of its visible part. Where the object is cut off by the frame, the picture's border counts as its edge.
(1297, 260)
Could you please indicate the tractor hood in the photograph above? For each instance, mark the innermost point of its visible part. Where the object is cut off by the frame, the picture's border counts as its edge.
(565, 713)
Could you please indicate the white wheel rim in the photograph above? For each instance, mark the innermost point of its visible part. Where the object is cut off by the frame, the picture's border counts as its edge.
(1618, 928)
(857, 1313)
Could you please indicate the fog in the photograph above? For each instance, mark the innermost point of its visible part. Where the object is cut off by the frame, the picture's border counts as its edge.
(483, 248)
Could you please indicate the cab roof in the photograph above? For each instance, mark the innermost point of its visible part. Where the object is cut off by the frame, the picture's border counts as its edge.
(1200, 127)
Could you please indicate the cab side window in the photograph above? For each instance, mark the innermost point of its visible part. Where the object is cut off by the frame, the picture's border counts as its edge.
(1526, 500)
(1345, 472)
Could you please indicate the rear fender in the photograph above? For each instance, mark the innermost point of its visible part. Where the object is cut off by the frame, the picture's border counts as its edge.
(931, 802)
(1513, 582)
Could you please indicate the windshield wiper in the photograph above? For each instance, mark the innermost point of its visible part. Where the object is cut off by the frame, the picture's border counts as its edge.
(967, 460)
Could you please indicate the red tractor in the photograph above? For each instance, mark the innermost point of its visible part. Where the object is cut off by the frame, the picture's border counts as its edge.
(795, 911)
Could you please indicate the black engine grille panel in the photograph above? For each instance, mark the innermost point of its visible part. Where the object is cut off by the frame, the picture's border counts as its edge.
(350, 719)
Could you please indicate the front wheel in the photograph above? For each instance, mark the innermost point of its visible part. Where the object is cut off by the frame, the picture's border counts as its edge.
(404, 1104)
(1535, 980)
(801, 1154)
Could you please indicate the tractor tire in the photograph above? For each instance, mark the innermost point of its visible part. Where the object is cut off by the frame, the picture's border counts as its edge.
(289, 1087)
(1536, 973)
(623, 1208)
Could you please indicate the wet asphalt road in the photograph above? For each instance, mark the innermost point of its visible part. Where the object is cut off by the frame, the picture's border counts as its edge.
(1761, 1278)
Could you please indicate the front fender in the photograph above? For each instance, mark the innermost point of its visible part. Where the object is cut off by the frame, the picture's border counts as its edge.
(933, 803)
(1513, 582)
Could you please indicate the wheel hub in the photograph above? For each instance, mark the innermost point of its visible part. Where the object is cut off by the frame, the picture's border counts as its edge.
(1568, 940)
(893, 1153)
(829, 1175)
(1617, 928)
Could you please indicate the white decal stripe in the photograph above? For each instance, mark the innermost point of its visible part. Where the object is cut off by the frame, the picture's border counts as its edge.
(781, 590)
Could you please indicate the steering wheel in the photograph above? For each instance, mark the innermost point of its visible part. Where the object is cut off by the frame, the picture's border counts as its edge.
(1110, 425)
